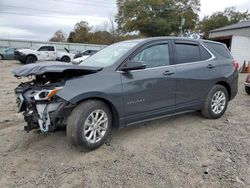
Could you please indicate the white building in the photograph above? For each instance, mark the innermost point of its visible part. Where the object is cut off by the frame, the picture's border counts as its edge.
(237, 39)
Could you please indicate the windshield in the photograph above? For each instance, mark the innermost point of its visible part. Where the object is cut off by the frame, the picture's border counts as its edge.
(35, 47)
(109, 55)
(9, 50)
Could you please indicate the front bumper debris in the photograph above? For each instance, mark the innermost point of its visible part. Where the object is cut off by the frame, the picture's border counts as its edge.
(41, 117)
(44, 115)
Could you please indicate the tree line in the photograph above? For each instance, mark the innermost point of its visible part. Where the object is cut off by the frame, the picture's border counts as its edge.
(149, 18)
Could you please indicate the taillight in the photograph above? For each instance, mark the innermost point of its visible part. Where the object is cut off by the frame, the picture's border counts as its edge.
(236, 65)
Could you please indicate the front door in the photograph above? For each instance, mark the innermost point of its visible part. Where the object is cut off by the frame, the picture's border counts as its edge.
(51, 53)
(151, 91)
(43, 53)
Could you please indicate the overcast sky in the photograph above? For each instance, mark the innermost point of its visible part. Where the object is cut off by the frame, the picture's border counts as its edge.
(38, 20)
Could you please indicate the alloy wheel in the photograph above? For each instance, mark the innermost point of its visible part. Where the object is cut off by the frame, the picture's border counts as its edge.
(218, 102)
(95, 126)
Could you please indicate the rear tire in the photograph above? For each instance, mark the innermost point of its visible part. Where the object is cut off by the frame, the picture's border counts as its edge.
(65, 59)
(216, 102)
(247, 89)
(30, 59)
(1, 57)
(89, 124)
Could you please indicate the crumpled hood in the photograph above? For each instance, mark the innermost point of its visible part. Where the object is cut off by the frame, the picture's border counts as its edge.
(52, 67)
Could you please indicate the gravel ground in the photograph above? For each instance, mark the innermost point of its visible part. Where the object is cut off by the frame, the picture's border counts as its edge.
(181, 151)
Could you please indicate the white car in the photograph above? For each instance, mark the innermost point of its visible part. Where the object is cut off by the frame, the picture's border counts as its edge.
(79, 60)
(42, 53)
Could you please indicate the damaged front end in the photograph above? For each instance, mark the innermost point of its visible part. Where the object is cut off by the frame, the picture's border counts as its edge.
(37, 99)
(41, 108)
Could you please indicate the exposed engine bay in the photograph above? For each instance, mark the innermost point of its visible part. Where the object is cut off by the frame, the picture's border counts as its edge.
(37, 99)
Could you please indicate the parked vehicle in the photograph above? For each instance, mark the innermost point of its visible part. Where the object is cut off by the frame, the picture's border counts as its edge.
(85, 53)
(80, 57)
(79, 60)
(7, 54)
(247, 84)
(42, 53)
(127, 83)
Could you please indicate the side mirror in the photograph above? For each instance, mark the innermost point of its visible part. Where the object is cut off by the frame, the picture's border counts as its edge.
(133, 65)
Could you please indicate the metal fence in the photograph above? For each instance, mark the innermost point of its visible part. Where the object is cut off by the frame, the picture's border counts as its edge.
(72, 47)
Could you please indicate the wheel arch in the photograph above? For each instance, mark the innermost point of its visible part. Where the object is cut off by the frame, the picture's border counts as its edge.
(33, 55)
(66, 57)
(112, 107)
(227, 86)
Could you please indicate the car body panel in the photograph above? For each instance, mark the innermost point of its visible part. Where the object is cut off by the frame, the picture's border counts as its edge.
(103, 85)
(144, 93)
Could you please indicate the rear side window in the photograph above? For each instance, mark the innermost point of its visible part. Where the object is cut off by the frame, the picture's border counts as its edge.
(220, 49)
(205, 55)
(186, 53)
(51, 48)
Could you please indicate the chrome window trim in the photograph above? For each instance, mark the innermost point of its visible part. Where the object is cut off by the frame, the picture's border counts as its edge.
(190, 63)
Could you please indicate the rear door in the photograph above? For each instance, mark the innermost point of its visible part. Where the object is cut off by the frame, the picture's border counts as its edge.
(151, 91)
(196, 71)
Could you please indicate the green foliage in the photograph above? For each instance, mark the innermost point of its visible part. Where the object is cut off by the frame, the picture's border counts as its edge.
(220, 19)
(101, 37)
(156, 17)
(82, 33)
(151, 18)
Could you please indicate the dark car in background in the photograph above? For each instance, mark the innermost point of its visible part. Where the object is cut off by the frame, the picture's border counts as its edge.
(247, 84)
(127, 83)
(7, 54)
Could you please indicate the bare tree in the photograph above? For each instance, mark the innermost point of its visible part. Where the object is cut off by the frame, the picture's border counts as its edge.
(58, 36)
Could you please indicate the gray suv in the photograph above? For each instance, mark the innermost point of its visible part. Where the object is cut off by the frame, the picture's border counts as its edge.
(127, 83)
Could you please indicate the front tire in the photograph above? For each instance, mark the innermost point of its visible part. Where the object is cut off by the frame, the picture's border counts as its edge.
(65, 59)
(89, 124)
(216, 102)
(247, 89)
(1, 57)
(30, 59)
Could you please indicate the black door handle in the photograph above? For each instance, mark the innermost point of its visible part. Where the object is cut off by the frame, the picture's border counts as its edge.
(167, 73)
(210, 66)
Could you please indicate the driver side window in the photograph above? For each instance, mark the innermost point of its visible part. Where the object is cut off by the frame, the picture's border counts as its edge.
(154, 56)
(43, 48)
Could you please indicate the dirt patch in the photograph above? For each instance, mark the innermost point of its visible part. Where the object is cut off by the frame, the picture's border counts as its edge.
(181, 151)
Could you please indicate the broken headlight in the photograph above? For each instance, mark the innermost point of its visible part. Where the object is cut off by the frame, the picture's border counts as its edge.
(47, 94)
